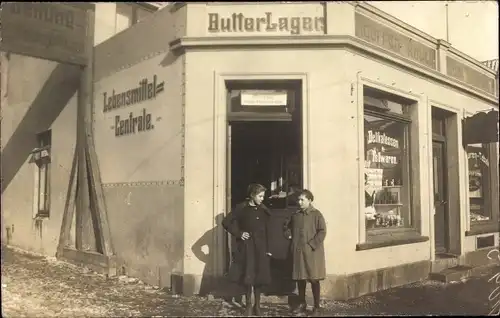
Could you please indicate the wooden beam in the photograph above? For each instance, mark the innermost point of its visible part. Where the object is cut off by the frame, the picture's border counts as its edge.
(85, 236)
(69, 207)
(98, 204)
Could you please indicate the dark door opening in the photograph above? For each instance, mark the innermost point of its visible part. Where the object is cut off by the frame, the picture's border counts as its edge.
(267, 153)
(264, 145)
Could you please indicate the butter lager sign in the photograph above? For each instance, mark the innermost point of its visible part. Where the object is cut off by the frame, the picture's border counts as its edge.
(48, 30)
(267, 22)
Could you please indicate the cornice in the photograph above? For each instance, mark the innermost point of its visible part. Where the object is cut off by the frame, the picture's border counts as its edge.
(342, 41)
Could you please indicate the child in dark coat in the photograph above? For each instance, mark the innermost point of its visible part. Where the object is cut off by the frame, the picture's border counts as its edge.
(251, 265)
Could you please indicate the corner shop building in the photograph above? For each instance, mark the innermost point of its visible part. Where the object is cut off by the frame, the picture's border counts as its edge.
(191, 105)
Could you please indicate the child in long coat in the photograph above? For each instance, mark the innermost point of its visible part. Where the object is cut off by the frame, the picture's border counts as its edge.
(251, 265)
(307, 230)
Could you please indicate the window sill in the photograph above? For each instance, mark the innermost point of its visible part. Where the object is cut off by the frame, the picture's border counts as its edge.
(483, 228)
(391, 239)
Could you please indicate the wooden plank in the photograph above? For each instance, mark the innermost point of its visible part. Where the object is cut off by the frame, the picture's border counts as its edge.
(47, 30)
(97, 197)
(69, 207)
(85, 236)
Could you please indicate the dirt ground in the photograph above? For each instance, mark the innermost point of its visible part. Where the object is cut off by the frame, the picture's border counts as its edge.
(35, 286)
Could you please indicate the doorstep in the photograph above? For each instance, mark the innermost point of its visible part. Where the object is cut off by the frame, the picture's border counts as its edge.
(456, 273)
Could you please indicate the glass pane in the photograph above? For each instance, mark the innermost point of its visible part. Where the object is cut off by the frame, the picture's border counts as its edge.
(438, 126)
(41, 187)
(479, 169)
(123, 17)
(385, 105)
(386, 170)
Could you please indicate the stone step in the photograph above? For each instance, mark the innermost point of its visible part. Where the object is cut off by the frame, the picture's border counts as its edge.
(441, 263)
(456, 273)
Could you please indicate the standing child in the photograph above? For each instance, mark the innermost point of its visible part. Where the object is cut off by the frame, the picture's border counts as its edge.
(251, 266)
(307, 230)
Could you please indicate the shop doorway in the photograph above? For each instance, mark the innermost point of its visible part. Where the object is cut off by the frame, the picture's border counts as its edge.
(445, 183)
(264, 145)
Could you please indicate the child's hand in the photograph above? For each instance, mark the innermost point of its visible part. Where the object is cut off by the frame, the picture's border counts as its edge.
(245, 236)
(269, 254)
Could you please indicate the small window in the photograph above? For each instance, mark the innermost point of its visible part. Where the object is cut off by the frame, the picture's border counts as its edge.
(41, 158)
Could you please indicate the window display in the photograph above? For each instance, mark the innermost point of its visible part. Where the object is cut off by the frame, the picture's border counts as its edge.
(479, 170)
(386, 168)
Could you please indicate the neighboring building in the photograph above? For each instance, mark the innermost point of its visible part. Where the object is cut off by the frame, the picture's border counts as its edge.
(114, 17)
(493, 64)
(362, 109)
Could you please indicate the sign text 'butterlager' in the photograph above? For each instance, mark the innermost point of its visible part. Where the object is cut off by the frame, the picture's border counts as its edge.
(238, 22)
(133, 123)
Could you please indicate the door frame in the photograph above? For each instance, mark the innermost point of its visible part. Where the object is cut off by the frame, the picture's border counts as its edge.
(441, 140)
(454, 176)
(221, 124)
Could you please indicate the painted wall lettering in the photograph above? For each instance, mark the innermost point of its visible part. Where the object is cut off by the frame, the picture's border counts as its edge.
(391, 40)
(467, 74)
(238, 22)
(133, 123)
(41, 12)
(145, 91)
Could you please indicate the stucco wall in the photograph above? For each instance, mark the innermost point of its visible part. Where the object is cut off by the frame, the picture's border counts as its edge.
(333, 161)
(41, 96)
(141, 171)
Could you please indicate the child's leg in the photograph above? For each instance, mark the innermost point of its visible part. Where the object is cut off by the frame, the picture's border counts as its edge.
(257, 291)
(315, 286)
(248, 299)
(301, 285)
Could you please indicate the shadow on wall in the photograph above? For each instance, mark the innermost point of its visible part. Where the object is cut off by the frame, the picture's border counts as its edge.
(209, 284)
(55, 94)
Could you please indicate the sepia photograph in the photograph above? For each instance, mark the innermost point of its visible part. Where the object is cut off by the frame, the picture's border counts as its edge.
(236, 159)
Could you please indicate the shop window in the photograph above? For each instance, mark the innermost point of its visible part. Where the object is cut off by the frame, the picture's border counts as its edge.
(480, 174)
(387, 162)
(41, 158)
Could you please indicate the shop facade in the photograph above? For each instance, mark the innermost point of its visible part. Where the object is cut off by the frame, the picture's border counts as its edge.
(341, 99)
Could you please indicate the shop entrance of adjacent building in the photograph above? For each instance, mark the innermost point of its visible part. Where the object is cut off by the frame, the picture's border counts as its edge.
(264, 145)
(445, 183)
(440, 203)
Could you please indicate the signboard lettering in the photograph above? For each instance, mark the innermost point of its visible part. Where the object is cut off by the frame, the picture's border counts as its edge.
(467, 74)
(133, 123)
(263, 98)
(384, 37)
(47, 30)
(238, 22)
